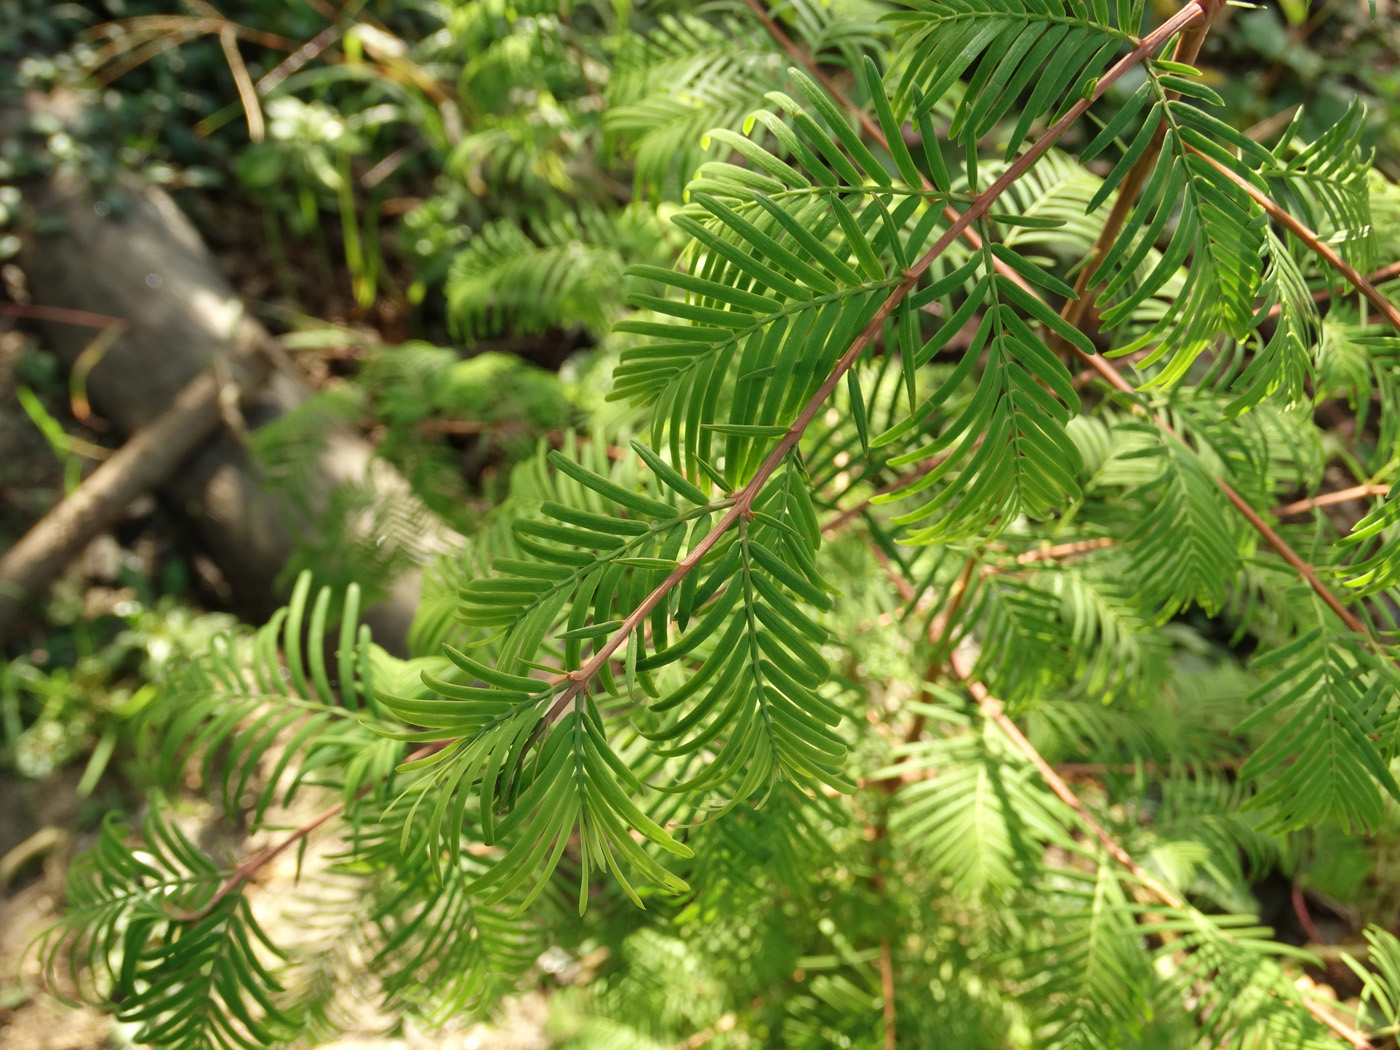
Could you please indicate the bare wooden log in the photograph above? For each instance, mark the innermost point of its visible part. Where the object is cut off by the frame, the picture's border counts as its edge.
(146, 461)
(130, 253)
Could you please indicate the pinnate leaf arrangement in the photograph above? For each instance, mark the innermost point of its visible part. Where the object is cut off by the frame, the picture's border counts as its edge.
(960, 420)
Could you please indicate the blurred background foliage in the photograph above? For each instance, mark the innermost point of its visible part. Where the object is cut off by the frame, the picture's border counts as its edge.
(434, 202)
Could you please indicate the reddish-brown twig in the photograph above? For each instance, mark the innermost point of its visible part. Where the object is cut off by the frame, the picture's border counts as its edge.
(1376, 277)
(845, 517)
(1101, 769)
(63, 315)
(1058, 552)
(887, 992)
(1328, 499)
(872, 129)
(250, 866)
(993, 710)
(1305, 919)
(1074, 311)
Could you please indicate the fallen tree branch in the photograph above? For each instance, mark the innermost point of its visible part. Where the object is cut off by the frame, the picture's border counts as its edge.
(144, 463)
(147, 263)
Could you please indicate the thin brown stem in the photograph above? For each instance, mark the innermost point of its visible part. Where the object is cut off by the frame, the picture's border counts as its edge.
(1063, 550)
(922, 468)
(1199, 12)
(308, 51)
(1376, 277)
(1053, 553)
(250, 866)
(1102, 769)
(1328, 499)
(1305, 919)
(1302, 568)
(243, 81)
(887, 992)
(844, 518)
(873, 130)
(939, 635)
(1386, 273)
(63, 315)
(703, 1036)
(992, 708)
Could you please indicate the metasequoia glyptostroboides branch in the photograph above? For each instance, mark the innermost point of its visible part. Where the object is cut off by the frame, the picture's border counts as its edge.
(248, 868)
(1315, 244)
(992, 709)
(1110, 374)
(1189, 15)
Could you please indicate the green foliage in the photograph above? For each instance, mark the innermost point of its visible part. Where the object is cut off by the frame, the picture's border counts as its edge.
(85, 691)
(206, 986)
(739, 656)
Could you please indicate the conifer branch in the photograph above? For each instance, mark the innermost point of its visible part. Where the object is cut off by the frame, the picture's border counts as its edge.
(1188, 46)
(1195, 16)
(249, 867)
(784, 291)
(1309, 575)
(876, 133)
(1315, 244)
(744, 498)
(992, 708)
(842, 519)
(1378, 277)
(1057, 552)
(1303, 569)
